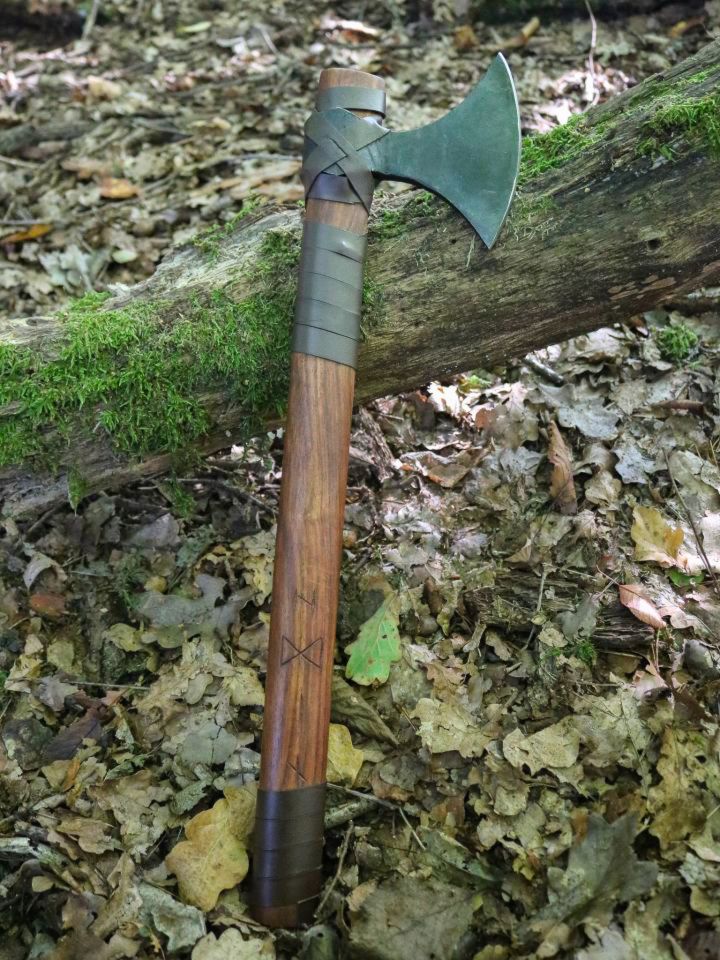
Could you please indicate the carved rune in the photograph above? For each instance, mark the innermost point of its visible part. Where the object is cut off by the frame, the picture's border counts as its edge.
(311, 602)
(295, 767)
(311, 653)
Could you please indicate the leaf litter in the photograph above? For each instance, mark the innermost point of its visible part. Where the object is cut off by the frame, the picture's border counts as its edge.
(523, 755)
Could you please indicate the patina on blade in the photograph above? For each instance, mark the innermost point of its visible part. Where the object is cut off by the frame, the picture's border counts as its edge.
(471, 156)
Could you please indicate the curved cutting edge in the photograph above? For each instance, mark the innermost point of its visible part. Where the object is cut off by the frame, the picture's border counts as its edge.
(471, 156)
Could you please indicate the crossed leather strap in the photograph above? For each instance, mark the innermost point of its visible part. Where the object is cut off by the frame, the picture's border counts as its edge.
(333, 168)
(327, 312)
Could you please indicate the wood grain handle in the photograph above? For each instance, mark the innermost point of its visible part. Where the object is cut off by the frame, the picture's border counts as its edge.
(287, 873)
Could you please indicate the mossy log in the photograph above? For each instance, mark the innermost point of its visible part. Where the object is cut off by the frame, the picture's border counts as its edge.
(616, 212)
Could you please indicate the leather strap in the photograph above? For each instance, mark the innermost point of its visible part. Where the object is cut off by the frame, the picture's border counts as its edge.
(333, 141)
(351, 98)
(327, 310)
(288, 842)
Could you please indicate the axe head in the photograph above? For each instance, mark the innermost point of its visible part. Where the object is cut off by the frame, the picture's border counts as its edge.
(470, 156)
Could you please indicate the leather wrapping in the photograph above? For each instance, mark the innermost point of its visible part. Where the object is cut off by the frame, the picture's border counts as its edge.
(329, 300)
(288, 844)
(351, 98)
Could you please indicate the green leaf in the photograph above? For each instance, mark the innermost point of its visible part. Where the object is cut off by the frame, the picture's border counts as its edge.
(681, 579)
(377, 645)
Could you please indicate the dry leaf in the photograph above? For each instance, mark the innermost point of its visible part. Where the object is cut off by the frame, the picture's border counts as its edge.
(447, 726)
(523, 38)
(634, 597)
(556, 746)
(655, 540)
(344, 760)
(214, 856)
(465, 38)
(117, 188)
(101, 89)
(562, 485)
(51, 605)
(33, 232)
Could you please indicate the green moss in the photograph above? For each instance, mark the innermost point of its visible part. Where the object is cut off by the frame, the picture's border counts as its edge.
(211, 240)
(182, 501)
(700, 77)
(677, 341)
(77, 487)
(394, 222)
(139, 376)
(547, 151)
(693, 120)
(532, 215)
(373, 305)
(584, 649)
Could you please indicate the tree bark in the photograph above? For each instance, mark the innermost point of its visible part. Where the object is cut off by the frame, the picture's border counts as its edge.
(498, 10)
(630, 219)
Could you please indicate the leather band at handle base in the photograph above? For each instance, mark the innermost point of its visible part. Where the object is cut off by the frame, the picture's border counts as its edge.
(287, 854)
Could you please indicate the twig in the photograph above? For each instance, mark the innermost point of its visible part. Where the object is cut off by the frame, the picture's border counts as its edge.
(91, 18)
(538, 607)
(349, 811)
(543, 370)
(381, 803)
(18, 163)
(696, 534)
(341, 862)
(42, 518)
(592, 92)
(107, 686)
(228, 488)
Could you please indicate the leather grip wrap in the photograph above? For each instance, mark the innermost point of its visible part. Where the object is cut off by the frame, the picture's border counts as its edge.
(288, 844)
(327, 310)
(351, 98)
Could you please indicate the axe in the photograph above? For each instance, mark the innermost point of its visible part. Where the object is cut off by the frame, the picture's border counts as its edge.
(470, 157)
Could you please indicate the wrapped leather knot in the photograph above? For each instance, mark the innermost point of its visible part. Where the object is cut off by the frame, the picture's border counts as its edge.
(333, 166)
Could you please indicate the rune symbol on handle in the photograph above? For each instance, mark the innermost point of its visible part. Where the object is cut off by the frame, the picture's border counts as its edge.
(311, 653)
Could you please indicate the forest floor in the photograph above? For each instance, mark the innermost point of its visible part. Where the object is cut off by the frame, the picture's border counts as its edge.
(528, 765)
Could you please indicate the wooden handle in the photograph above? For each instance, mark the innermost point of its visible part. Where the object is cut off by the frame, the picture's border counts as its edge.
(304, 609)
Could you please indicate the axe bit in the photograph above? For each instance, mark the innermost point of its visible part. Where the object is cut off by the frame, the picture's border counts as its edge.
(470, 157)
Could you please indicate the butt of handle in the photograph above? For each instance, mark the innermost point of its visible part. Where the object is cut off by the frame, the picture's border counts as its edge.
(287, 855)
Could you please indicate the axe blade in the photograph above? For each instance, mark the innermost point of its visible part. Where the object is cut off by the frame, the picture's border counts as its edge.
(471, 156)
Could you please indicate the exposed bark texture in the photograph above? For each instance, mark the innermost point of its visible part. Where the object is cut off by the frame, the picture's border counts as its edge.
(52, 23)
(628, 218)
(497, 10)
(512, 603)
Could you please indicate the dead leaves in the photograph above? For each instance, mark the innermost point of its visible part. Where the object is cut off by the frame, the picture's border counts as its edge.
(602, 870)
(655, 540)
(447, 726)
(554, 748)
(562, 485)
(117, 188)
(344, 759)
(32, 232)
(214, 856)
(635, 598)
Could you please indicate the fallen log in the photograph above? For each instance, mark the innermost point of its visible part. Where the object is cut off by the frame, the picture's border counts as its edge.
(617, 211)
(499, 10)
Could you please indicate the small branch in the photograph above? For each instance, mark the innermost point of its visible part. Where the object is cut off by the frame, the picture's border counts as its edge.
(592, 95)
(543, 370)
(91, 18)
(696, 533)
(341, 862)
